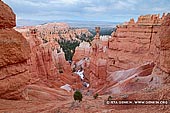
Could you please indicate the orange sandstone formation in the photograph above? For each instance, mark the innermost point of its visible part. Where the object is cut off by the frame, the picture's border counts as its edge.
(47, 64)
(27, 61)
(128, 81)
(163, 45)
(7, 17)
(83, 51)
(14, 53)
(131, 45)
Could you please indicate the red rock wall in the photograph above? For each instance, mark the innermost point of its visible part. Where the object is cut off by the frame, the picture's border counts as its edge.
(7, 17)
(96, 71)
(14, 52)
(26, 60)
(133, 44)
(163, 45)
(41, 64)
(47, 64)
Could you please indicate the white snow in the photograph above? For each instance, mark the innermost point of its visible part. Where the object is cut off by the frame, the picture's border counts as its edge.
(105, 37)
(66, 87)
(88, 85)
(80, 73)
(85, 84)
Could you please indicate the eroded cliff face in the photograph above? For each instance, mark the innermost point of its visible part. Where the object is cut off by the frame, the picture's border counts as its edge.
(132, 45)
(47, 64)
(14, 53)
(95, 59)
(163, 45)
(41, 64)
(29, 68)
(98, 63)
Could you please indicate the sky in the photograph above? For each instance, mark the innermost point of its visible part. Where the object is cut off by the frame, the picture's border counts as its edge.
(86, 10)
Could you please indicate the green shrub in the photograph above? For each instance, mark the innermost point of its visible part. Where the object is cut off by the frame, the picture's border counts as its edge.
(95, 96)
(78, 96)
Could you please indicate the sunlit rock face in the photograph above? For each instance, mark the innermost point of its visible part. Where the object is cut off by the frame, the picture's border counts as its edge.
(14, 53)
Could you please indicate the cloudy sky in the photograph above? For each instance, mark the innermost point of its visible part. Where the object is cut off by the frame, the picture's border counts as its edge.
(92, 10)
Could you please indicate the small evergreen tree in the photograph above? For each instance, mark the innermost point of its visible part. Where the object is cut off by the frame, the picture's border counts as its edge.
(78, 96)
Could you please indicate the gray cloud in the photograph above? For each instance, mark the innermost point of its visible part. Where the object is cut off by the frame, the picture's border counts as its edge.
(107, 10)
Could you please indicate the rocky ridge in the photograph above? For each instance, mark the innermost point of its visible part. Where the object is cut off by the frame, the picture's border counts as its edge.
(133, 44)
(50, 31)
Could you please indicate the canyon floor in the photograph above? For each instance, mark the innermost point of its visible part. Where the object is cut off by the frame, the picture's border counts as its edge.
(88, 105)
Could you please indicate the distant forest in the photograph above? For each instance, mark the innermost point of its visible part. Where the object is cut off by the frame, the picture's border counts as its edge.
(103, 31)
(70, 45)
